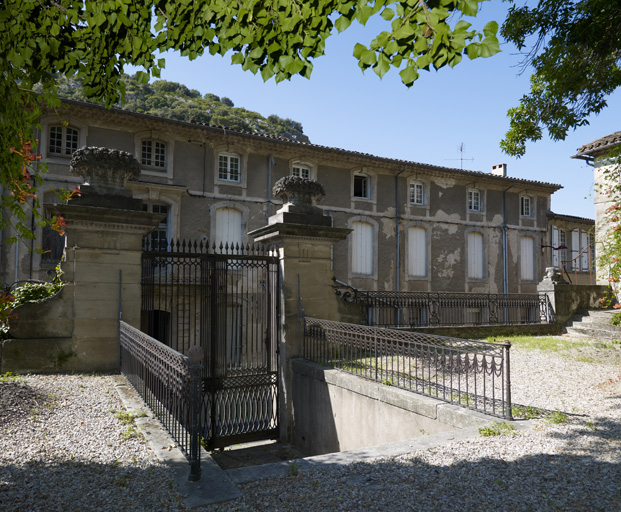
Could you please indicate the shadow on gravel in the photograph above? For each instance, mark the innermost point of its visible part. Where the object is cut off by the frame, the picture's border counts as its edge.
(17, 401)
(85, 487)
(533, 483)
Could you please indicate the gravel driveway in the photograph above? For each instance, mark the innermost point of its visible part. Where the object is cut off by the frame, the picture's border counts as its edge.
(67, 445)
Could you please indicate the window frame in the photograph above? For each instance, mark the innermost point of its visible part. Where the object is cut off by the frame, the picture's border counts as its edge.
(423, 189)
(63, 141)
(469, 265)
(527, 199)
(165, 171)
(470, 200)
(425, 252)
(153, 154)
(228, 173)
(302, 166)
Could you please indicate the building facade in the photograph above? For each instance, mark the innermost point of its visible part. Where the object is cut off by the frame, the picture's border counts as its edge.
(415, 227)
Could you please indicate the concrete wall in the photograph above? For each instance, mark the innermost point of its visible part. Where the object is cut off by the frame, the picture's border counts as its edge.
(334, 411)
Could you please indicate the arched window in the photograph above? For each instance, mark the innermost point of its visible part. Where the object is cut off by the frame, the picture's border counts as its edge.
(362, 248)
(302, 170)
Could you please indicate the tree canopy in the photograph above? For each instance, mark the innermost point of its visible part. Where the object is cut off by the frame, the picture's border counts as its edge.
(175, 101)
(95, 40)
(574, 49)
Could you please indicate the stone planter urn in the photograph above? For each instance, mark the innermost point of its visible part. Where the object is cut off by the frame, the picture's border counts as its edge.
(106, 173)
(300, 197)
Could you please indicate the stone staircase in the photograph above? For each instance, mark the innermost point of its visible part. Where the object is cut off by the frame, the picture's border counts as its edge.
(594, 324)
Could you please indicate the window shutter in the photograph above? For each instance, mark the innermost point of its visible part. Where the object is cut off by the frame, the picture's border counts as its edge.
(555, 243)
(575, 248)
(417, 252)
(362, 248)
(475, 256)
(527, 262)
(584, 258)
(228, 227)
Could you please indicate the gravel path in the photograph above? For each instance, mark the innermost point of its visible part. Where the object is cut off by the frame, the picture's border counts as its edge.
(64, 447)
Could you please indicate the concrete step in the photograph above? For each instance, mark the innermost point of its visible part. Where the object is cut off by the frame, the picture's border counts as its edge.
(591, 332)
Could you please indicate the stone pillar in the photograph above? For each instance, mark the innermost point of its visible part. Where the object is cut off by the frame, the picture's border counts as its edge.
(104, 228)
(303, 236)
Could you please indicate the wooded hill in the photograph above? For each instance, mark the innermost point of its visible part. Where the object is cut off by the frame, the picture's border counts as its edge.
(175, 101)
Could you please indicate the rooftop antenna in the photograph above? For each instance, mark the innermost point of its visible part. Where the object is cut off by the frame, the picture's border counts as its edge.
(462, 150)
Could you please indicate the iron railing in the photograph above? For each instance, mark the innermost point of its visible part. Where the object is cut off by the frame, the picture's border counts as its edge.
(472, 374)
(445, 309)
(170, 385)
(225, 300)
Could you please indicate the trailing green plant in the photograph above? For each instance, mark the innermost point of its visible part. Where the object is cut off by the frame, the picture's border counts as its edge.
(609, 299)
(27, 293)
(496, 429)
(616, 319)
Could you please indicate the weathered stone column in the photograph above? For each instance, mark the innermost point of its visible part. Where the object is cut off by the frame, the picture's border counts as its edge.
(303, 236)
(104, 228)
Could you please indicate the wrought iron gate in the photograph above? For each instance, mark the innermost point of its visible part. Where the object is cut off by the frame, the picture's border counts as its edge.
(226, 301)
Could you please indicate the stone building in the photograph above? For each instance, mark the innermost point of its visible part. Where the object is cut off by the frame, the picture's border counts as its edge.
(594, 153)
(415, 226)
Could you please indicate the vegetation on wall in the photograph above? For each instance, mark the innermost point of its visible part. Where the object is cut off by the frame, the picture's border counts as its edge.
(32, 292)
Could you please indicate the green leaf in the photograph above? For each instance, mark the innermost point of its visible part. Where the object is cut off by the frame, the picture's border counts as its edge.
(408, 75)
(382, 66)
(342, 23)
(388, 14)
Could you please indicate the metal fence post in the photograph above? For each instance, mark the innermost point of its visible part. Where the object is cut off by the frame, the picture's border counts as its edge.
(195, 355)
(508, 412)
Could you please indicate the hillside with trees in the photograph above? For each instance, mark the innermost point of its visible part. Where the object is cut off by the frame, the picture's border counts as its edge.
(176, 101)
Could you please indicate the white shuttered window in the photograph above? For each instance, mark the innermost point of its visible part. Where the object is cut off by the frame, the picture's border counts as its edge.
(476, 256)
(527, 259)
(555, 243)
(362, 248)
(228, 227)
(417, 252)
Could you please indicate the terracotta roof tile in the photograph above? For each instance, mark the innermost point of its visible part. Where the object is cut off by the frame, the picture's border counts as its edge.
(592, 147)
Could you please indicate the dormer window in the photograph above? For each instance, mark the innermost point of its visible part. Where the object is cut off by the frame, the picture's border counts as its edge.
(63, 140)
(362, 186)
(229, 167)
(153, 154)
(474, 200)
(417, 193)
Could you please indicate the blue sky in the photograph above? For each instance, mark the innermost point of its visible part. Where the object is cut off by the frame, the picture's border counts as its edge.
(342, 107)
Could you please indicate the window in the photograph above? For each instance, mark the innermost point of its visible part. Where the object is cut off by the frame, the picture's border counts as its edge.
(417, 252)
(474, 200)
(53, 247)
(158, 238)
(562, 241)
(63, 140)
(559, 239)
(153, 154)
(527, 259)
(228, 167)
(417, 193)
(362, 186)
(228, 227)
(526, 206)
(362, 248)
(476, 256)
(301, 171)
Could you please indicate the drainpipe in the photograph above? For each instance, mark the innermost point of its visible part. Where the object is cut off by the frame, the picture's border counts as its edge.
(505, 263)
(398, 227)
(270, 162)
